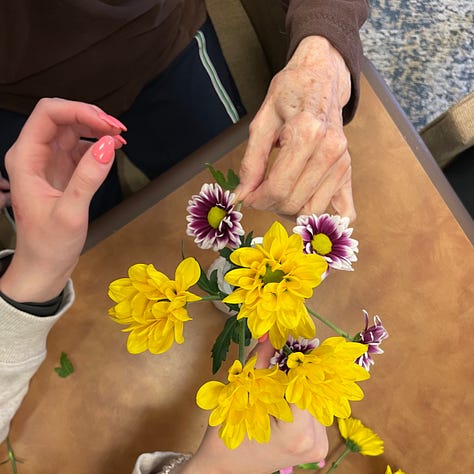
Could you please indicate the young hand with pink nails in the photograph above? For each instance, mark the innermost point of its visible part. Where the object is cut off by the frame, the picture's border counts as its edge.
(54, 174)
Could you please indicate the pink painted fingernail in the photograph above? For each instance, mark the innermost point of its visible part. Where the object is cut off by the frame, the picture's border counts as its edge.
(104, 149)
(112, 121)
(120, 139)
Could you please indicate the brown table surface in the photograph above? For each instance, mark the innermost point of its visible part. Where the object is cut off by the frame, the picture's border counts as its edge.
(415, 269)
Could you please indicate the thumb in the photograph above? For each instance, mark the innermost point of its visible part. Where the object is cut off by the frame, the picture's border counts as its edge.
(90, 173)
(265, 351)
(343, 201)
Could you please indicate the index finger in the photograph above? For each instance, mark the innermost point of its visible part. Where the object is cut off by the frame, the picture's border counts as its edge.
(300, 137)
(50, 114)
(265, 351)
(262, 136)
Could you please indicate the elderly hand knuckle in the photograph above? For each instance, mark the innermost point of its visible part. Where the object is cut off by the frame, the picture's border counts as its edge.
(338, 139)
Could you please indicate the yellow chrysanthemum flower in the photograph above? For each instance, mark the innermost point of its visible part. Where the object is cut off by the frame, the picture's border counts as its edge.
(389, 471)
(245, 404)
(272, 284)
(153, 306)
(324, 380)
(359, 438)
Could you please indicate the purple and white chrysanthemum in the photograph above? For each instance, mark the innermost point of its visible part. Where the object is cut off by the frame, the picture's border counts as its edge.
(373, 337)
(293, 345)
(330, 237)
(212, 220)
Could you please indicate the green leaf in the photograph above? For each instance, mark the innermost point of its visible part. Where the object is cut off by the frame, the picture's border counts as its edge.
(225, 252)
(236, 335)
(217, 175)
(246, 240)
(208, 285)
(233, 307)
(228, 184)
(232, 179)
(221, 346)
(66, 368)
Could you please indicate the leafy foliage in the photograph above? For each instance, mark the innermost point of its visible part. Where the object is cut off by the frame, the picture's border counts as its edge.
(228, 183)
(66, 368)
(221, 346)
(209, 285)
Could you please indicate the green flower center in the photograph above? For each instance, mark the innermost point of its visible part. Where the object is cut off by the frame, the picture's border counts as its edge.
(321, 244)
(272, 276)
(215, 216)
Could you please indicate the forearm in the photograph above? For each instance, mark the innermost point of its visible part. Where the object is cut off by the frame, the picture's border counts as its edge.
(22, 350)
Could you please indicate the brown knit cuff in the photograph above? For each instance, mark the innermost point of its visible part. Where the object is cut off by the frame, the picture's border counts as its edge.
(339, 22)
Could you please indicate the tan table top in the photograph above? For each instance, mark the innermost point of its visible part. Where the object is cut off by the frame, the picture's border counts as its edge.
(415, 269)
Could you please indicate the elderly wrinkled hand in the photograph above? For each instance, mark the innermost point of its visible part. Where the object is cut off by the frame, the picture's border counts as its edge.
(53, 175)
(302, 116)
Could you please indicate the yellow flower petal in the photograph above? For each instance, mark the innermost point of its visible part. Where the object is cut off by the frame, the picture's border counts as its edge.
(187, 273)
(208, 395)
(245, 404)
(153, 305)
(389, 471)
(324, 381)
(364, 440)
(272, 284)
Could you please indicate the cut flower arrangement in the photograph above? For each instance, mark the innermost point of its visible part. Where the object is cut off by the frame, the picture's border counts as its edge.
(264, 285)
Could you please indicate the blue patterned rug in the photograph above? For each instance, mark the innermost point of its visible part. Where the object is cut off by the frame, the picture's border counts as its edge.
(424, 49)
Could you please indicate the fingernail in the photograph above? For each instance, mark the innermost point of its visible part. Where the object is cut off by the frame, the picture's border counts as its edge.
(263, 338)
(104, 149)
(112, 121)
(120, 139)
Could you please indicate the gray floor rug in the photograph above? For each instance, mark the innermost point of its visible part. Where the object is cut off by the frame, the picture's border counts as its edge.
(424, 49)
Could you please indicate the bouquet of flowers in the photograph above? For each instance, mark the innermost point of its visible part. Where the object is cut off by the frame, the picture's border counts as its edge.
(264, 285)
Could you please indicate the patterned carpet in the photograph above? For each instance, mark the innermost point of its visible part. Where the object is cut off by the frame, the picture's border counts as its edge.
(424, 49)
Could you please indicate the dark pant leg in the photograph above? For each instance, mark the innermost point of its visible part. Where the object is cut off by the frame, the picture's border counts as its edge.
(107, 196)
(192, 101)
(11, 124)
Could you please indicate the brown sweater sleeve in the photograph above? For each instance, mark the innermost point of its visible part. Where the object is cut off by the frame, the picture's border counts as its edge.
(337, 20)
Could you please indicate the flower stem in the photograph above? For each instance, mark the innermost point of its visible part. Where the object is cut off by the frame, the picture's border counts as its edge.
(210, 298)
(11, 456)
(329, 324)
(242, 341)
(336, 463)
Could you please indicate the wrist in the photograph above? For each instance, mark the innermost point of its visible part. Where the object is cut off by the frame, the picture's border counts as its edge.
(316, 53)
(31, 284)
